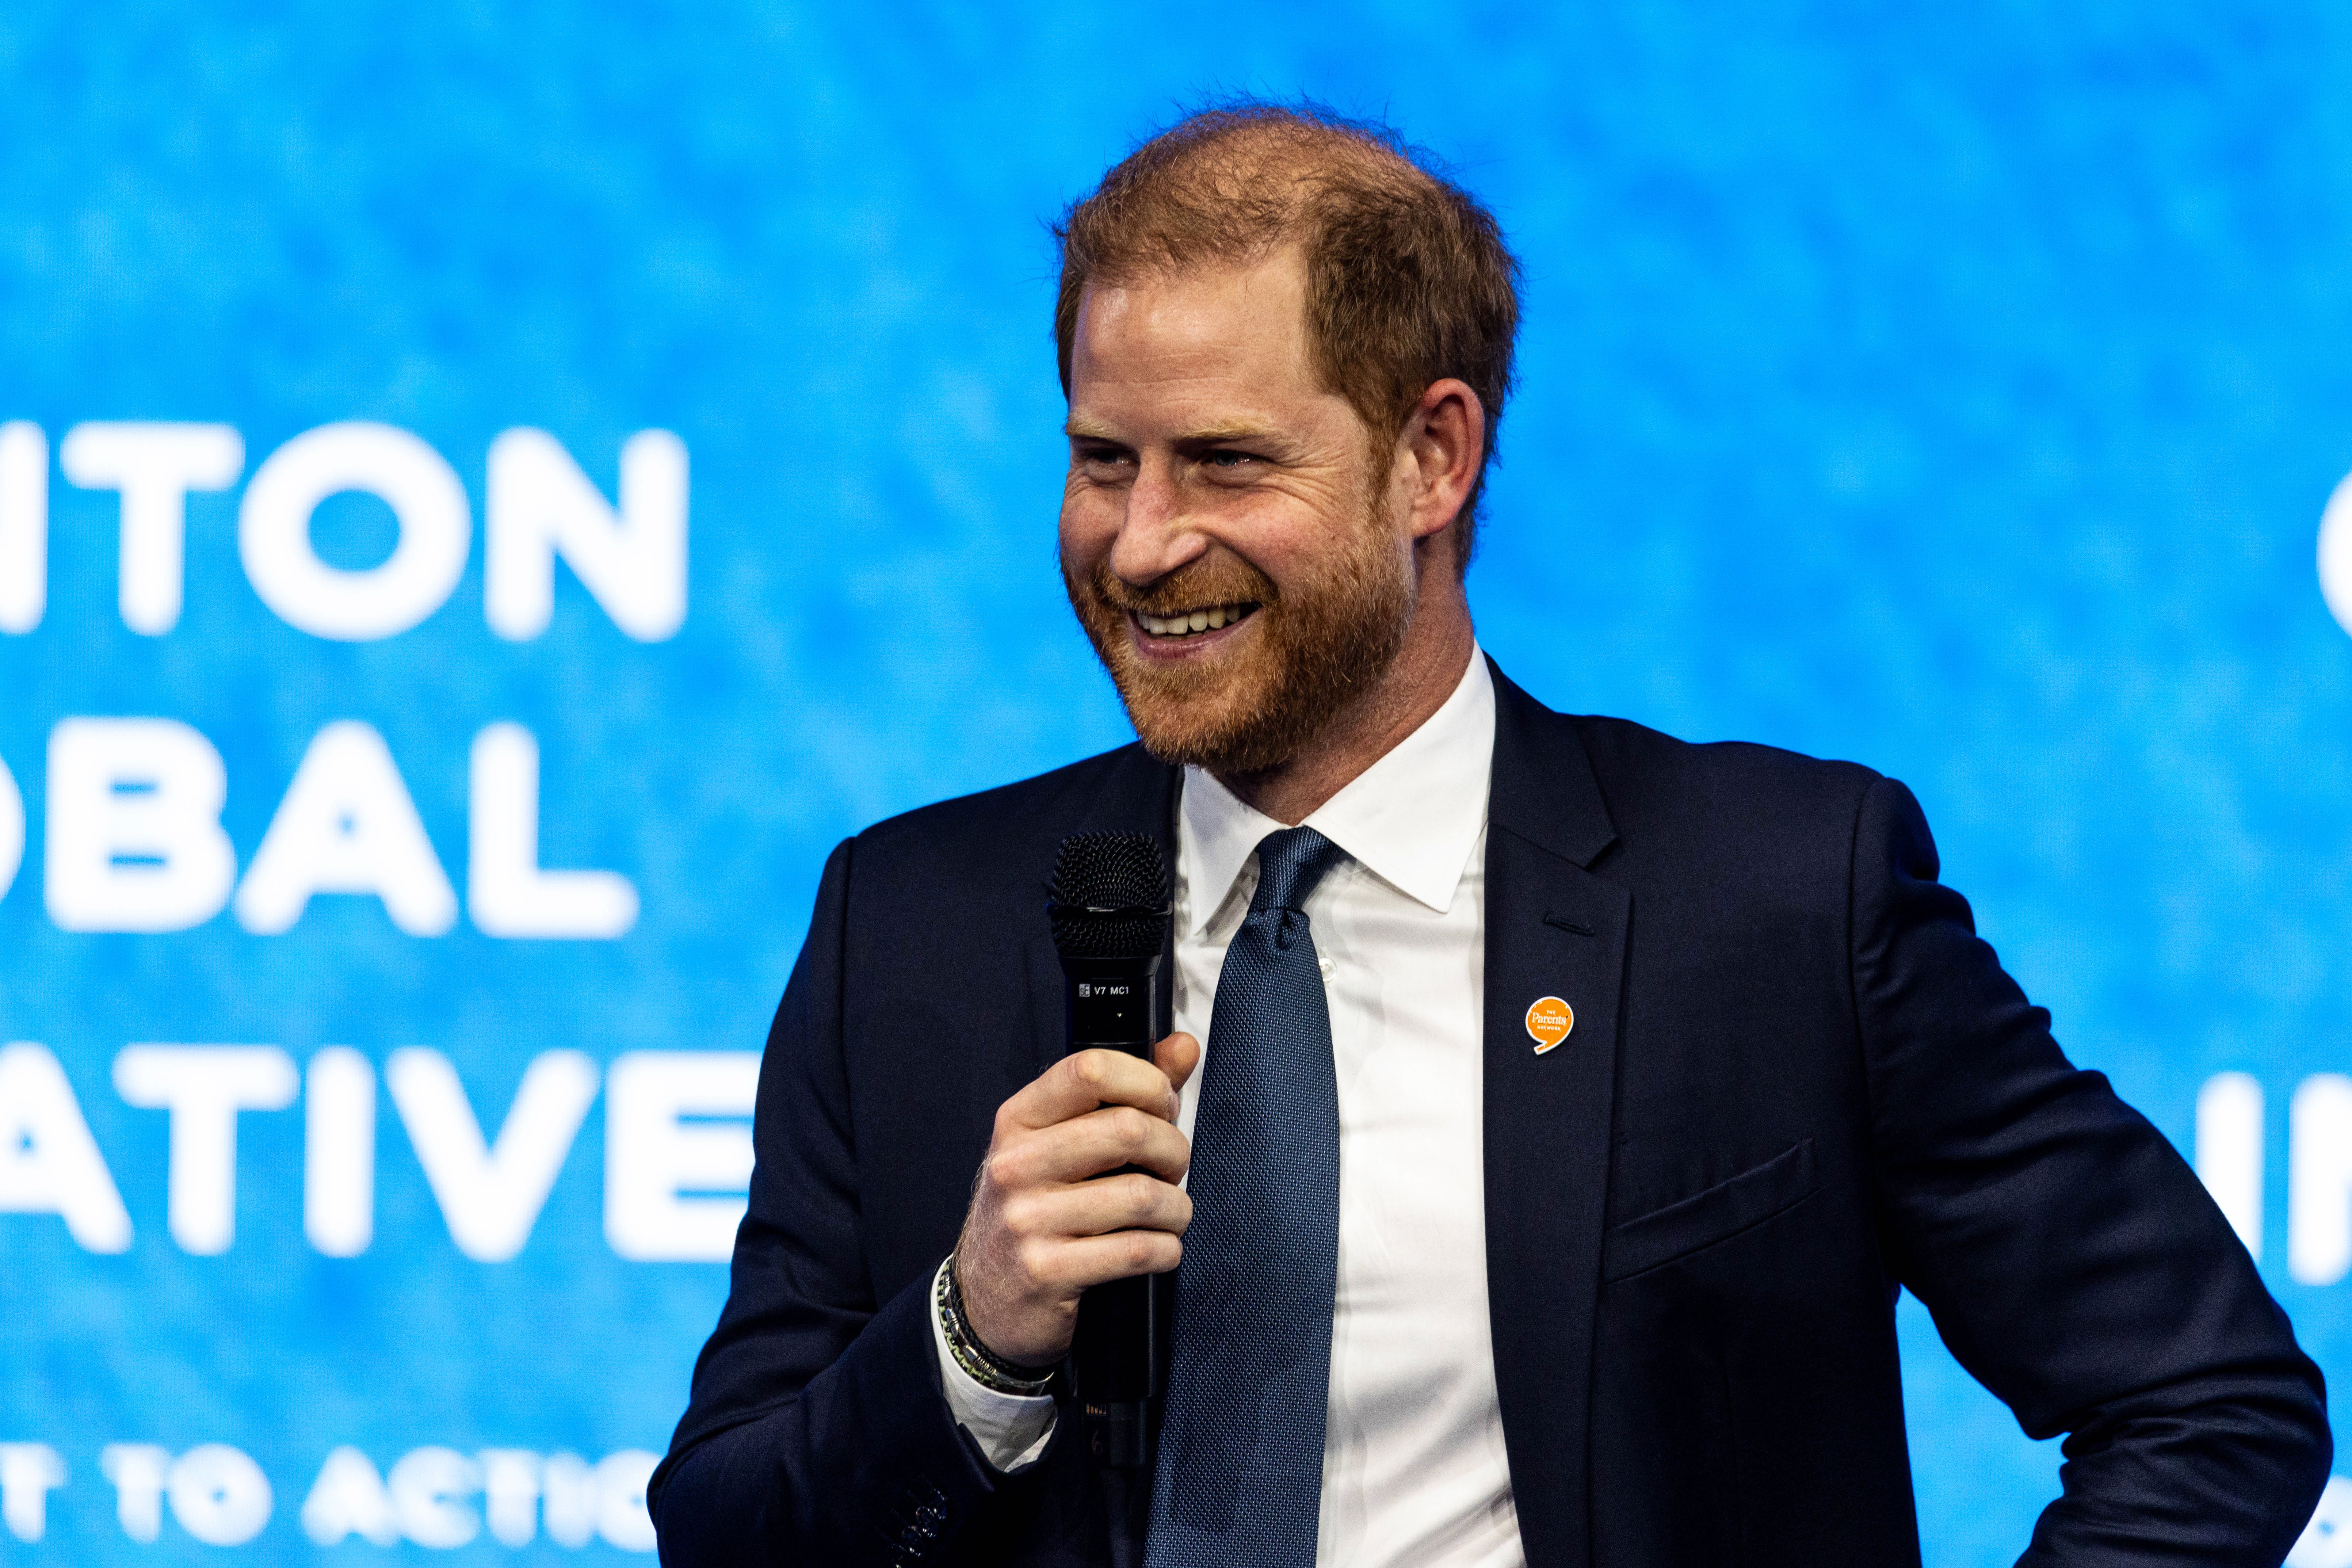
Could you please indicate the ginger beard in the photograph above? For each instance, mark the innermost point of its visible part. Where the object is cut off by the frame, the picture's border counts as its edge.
(1317, 646)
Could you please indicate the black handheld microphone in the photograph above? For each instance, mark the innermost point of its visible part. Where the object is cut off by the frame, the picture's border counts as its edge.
(1110, 908)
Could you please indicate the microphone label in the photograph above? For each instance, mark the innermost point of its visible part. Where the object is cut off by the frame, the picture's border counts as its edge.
(1115, 1002)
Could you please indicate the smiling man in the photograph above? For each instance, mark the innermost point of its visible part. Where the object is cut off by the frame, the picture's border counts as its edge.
(1574, 1102)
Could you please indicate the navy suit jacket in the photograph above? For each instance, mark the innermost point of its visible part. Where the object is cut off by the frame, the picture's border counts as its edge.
(1797, 1082)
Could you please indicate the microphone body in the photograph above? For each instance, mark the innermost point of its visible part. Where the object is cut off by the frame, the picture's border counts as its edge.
(1118, 1360)
(1110, 915)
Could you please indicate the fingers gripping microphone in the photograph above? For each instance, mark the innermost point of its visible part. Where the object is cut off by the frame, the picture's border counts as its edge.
(1109, 910)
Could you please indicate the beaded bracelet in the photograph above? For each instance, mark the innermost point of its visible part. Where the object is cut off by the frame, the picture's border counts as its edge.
(983, 1365)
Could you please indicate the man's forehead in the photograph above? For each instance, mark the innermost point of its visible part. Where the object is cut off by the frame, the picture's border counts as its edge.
(1171, 311)
(1205, 354)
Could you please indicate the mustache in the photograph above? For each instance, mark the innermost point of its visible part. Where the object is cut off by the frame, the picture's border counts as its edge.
(1190, 587)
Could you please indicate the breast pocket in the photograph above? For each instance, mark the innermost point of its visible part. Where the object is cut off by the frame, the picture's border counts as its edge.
(1705, 1218)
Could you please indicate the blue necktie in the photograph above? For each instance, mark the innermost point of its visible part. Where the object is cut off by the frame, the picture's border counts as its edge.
(1239, 1479)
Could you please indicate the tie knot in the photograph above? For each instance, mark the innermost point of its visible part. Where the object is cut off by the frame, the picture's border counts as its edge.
(1290, 864)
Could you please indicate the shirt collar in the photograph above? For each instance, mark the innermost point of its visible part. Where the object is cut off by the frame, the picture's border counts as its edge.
(1412, 818)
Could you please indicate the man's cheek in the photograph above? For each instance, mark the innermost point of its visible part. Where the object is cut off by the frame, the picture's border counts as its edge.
(1078, 560)
(1082, 550)
(1090, 517)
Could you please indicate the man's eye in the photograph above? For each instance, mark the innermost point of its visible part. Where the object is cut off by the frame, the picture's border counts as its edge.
(1229, 460)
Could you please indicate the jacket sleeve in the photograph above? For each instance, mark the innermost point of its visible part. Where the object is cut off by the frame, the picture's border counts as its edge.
(2073, 1262)
(817, 1433)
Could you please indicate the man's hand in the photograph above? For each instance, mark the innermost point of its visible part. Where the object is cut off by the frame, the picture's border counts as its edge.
(1040, 1230)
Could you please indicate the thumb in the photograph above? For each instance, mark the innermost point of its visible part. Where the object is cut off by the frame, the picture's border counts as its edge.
(1177, 1056)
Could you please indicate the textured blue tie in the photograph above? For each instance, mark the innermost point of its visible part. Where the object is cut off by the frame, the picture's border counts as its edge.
(1239, 1479)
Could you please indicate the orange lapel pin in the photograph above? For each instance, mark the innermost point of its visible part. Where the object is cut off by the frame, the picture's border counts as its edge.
(1549, 1021)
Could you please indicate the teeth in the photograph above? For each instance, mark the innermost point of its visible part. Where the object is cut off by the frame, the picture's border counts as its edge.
(1192, 621)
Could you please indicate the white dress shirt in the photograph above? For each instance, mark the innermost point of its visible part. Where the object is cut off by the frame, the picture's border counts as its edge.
(1413, 1470)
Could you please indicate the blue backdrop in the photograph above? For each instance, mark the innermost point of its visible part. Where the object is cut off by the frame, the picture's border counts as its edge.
(1957, 390)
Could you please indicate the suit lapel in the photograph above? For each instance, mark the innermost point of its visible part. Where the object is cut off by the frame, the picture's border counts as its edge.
(1553, 930)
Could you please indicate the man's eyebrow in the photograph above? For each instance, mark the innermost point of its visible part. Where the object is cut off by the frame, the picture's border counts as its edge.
(1219, 435)
(1086, 430)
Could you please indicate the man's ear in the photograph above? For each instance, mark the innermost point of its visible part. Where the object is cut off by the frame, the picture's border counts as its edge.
(1438, 453)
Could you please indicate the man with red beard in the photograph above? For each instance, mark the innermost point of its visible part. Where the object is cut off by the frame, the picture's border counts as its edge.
(1574, 1101)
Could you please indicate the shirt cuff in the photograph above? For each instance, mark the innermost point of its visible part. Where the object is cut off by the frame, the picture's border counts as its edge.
(1011, 1429)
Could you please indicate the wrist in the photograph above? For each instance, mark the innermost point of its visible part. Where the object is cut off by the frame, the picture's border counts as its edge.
(983, 1365)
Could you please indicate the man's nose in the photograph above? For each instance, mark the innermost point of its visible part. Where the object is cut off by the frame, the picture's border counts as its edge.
(1156, 536)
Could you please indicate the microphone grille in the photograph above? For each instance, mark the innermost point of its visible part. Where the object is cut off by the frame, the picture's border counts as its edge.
(1109, 896)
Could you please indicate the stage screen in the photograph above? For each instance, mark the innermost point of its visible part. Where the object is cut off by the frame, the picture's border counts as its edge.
(490, 495)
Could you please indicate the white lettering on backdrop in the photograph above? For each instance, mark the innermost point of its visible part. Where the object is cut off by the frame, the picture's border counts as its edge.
(218, 1495)
(135, 842)
(678, 1145)
(505, 892)
(24, 525)
(29, 1472)
(431, 1496)
(2319, 1180)
(2336, 554)
(139, 1472)
(204, 1087)
(2230, 1151)
(630, 557)
(346, 826)
(427, 500)
(154, 467)
(12, 829)
(490, 1192)
(427, 1498)
(632, 562)
(134, 838)
(654, 1157)
(339, 1152)
(49, 1161)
